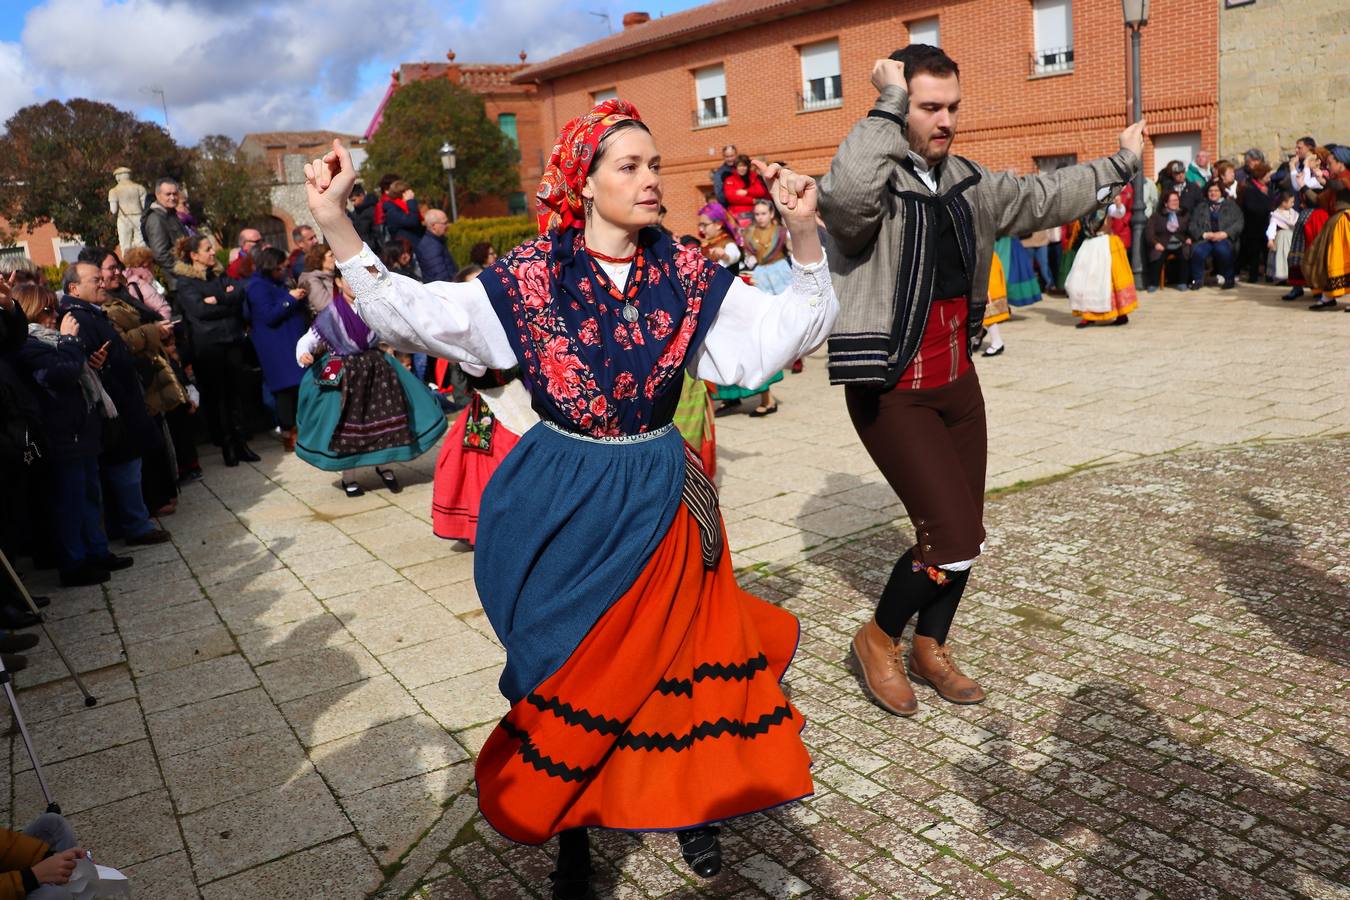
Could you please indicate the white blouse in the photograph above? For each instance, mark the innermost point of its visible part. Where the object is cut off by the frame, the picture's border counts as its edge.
(754, 335)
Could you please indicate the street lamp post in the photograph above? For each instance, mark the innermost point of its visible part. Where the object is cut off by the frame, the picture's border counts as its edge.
(448, 164)
(1136, 17)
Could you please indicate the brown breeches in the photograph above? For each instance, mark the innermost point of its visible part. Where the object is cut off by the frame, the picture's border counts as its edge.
(931, 445)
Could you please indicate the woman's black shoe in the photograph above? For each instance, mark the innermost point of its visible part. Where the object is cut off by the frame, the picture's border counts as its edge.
(82, 575)
(701, 850)
(230, 455)
(572, 879)
(112, 562)
(245, 452)
(390, 479)
(726, 408)
(1323, 303)
(1294, 293)
(12, 618)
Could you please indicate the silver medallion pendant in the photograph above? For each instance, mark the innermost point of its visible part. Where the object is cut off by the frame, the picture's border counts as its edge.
(630, 313)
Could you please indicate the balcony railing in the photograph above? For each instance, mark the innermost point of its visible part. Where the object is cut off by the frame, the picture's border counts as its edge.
(821, 93)
(1052, 61)
(712, 111)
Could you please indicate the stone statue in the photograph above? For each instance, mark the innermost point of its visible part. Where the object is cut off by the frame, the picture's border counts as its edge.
(126, 200)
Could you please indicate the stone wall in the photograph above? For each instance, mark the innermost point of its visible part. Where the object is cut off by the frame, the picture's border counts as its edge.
(1284, 72)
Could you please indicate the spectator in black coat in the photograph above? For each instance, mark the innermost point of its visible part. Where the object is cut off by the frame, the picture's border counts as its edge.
(402, 218)
(133, 432)
(1167, 237)
(73, 406)
(162, 229)
(213, 308)
(1255, 199)
(362, 215)
(433, 257)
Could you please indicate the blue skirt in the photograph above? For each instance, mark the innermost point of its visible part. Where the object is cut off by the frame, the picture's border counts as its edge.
(320, 408)
(567, 524)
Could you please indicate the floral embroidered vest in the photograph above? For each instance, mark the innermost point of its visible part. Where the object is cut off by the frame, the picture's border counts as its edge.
(588, 369)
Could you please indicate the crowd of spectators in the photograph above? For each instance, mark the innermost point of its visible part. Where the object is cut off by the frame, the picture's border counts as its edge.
(107, 385)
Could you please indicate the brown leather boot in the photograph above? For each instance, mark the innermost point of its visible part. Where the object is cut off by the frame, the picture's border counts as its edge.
(882, 670)
(931, 663)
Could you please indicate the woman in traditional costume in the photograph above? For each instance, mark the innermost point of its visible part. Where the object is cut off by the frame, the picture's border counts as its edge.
(1327, 262)
(357, 406)
(1100, 283)
(996, 310)
(486, 429)
(644, 683)
(722, 243)
(768, 246)
(1318, 262)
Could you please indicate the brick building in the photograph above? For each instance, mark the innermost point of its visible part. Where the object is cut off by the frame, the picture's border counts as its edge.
(1043, 81)
(513, 106)
(285, 153)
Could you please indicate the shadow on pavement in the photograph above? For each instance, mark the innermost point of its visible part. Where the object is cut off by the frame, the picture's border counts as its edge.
(1301, 606)
(1118, 777)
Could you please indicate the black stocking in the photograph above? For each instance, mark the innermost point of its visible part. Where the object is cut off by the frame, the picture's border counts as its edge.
(935, 619)
(906, 593)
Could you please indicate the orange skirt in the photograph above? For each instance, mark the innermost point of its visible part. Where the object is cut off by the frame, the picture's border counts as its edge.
(668, 715)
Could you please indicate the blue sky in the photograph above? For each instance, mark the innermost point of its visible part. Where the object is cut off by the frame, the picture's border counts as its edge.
(234, 66)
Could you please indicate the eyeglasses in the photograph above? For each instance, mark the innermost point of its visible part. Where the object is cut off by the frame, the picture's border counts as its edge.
(47, 311)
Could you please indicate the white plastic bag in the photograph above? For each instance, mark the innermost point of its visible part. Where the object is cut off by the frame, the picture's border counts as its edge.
(1089, 281)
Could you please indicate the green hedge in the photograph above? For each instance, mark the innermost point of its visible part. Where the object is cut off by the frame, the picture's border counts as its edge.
(503, 233)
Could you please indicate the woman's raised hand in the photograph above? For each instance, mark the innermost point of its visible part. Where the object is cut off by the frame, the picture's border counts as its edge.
(793, 194)
(328, 183)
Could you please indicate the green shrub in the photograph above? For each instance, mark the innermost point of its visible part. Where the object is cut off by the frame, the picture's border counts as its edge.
(502, 232)
(53, 275)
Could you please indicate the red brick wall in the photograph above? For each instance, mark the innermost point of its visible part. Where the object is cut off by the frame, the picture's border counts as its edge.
(1007, 118)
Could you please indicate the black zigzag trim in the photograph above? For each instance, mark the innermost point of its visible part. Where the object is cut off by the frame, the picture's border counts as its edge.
(723, 726)
(573, 716)
(731, 671)
(531, 755)
(675, 686)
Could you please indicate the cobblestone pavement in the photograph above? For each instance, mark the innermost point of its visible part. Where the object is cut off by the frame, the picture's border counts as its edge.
(292, 691)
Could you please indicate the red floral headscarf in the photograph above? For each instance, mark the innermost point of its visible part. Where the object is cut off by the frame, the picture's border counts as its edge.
(560, 205)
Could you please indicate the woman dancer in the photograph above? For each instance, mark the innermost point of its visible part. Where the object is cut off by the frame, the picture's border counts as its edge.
(489, 426)
(601, 560)
(357, 406)
(1100, 283)
(768, 242)
(722, 244)
(996, 310)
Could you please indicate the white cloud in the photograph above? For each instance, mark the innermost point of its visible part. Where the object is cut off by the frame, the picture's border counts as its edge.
(232, 67)
(16, 83)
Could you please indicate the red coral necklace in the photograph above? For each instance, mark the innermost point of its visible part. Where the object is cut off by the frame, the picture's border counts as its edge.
(629, 297)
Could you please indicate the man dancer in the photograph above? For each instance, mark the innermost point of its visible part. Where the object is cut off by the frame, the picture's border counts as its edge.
(911, 233)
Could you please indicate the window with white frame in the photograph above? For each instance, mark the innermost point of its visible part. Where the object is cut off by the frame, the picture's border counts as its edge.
(604, 94)
(924, 31)
(1052, 23)
(710, 84)
(822, 85)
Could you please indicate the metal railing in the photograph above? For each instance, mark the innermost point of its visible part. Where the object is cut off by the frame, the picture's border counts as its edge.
(704, 117)
(1052, 60)
(821, 93)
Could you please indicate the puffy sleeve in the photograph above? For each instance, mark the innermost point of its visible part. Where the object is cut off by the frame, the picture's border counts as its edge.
(757, 333)
(447, 319)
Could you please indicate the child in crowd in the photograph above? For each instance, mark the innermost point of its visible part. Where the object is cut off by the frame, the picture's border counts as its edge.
(1280, 237)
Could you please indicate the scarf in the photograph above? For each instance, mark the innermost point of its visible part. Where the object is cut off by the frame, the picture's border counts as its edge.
(560, 202)
(91, 386)
(768, 242)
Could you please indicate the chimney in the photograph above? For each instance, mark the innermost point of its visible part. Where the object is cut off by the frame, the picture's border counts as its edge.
(634, 18)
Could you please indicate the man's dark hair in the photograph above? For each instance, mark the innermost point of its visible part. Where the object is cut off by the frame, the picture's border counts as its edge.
(925, 59)
(386, 180)
(1307, 141)
(298, 232)
(96, 255)
(358, 190)
(271, 259)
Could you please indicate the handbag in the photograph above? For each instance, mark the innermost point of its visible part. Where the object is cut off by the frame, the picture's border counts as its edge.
(480, 426)
(330, 376)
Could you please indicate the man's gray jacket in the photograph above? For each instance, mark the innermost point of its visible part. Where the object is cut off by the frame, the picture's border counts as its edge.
(162, 230)
(879, 216)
